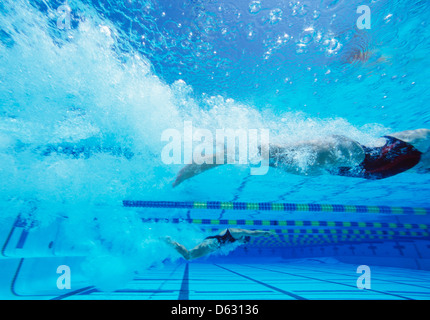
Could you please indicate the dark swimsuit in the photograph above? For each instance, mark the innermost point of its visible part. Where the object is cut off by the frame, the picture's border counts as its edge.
(395, 157)
(226, 238)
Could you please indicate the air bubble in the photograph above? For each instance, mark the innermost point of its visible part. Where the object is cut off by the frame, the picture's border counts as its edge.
(275, 16)
(250, 31)
(388, 18)
(105, 30)
(307, 35)
(316, 14)
(332, 45)
(298, 9)
(301, 48)
(254, 7)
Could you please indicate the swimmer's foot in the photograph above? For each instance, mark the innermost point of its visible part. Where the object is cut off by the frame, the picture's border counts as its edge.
(168, 240)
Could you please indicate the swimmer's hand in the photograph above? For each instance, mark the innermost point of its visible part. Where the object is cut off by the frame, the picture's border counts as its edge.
(269, 233)
(167, 239)
(261, 233)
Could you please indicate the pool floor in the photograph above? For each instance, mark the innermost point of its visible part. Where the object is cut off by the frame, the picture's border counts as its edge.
(254, 281)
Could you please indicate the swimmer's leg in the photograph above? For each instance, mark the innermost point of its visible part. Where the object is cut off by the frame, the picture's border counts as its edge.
(179, 247)
(204, 248)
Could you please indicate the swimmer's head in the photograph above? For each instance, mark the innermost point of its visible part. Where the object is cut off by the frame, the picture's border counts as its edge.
(246, 239)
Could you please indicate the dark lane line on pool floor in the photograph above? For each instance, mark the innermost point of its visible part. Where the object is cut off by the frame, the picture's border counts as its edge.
(295, 296)
(184, 292)
(354, 276)
(327, 281)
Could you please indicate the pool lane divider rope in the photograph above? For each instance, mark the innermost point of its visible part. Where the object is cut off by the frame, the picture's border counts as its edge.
(321, 239)
(328, 228)
(360, 234)
(265, 206)
(305, 234)
(328, 241)
(294, 223)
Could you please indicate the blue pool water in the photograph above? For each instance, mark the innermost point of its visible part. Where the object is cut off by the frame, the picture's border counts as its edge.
(88, 87)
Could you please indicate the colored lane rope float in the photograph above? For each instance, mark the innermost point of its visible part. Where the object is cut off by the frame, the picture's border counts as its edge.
(315, 232)
(291, 237)
(317, 241)
(322, 228)
(296, 223)
(264, 206)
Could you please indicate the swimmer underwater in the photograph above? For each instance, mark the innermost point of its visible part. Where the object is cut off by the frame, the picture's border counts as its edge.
(213, 243)
(339, 155)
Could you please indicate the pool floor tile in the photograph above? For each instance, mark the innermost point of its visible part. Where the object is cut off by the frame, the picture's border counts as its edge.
(271, 281)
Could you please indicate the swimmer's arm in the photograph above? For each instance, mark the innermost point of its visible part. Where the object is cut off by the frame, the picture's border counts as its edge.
(212, 161)
(411, 135)
(252, 233)
(419, 138)
(194, 169)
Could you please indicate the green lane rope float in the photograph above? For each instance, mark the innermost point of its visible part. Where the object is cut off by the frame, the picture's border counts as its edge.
(294, 223)
(265, 206)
